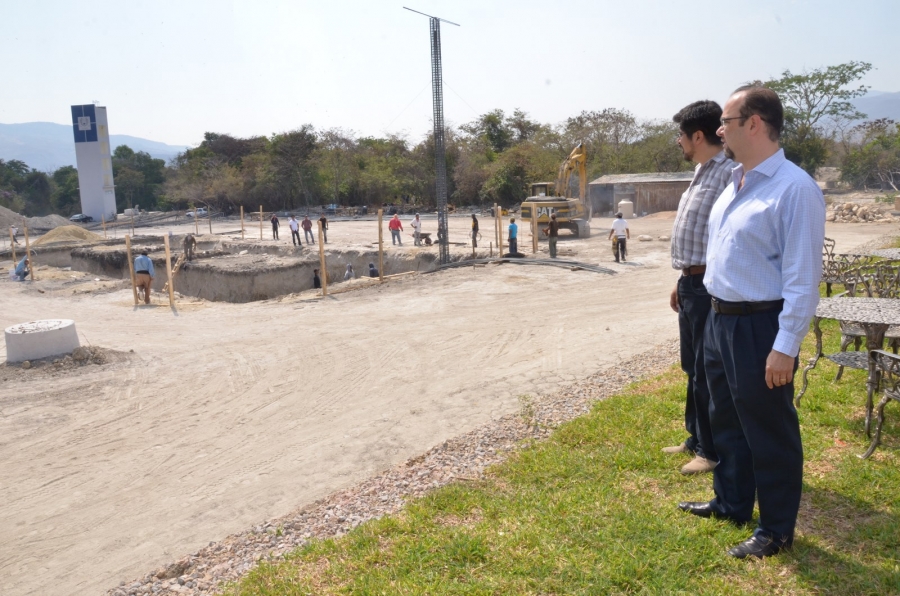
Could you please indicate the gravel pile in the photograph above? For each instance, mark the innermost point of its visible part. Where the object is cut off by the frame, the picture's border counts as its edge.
(8, 217)
(462, 458)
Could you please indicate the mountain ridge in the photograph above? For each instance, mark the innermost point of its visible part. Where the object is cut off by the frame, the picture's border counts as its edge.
(47, 146)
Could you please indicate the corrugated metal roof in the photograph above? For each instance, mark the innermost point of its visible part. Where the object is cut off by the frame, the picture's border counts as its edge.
(648, 177)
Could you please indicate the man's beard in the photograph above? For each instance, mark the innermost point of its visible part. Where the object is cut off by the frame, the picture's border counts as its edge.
(729, 153)
(688, 155)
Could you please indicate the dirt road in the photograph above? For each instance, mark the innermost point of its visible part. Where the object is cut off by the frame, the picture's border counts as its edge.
(225, 415)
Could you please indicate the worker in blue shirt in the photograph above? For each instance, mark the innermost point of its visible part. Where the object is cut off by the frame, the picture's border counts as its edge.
(144, 274)
(22, 269)
(513, 235)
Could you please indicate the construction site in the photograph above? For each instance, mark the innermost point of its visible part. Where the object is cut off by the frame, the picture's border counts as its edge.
(252, 396)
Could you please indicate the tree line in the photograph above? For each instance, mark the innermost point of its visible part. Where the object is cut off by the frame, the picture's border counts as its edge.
(492, 159)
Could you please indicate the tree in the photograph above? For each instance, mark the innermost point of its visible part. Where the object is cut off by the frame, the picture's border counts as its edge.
(493, 129)
(292, 164)
(811, 100)
(36, 190)
(66, 198)
(876, 161)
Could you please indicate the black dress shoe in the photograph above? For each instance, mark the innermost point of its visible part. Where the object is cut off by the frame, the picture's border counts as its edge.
(704, 509)
(759, 546)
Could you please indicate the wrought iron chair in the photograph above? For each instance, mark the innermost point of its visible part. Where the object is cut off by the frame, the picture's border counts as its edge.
(878, 280)
(829, 274)
(887, 366)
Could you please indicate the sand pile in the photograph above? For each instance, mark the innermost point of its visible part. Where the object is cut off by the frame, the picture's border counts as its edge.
(68, 234)
(8, 217)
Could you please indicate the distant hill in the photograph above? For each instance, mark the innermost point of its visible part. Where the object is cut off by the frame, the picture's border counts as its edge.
(877, 104)
(47, 146)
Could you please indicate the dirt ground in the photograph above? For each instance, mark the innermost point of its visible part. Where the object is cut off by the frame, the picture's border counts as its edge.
(211, 417)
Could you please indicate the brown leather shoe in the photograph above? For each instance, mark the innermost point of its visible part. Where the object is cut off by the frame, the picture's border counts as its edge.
(683, 448)
(699, 465)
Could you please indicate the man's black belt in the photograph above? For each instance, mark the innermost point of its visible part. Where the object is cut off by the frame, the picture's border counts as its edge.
(693, 270)
(143, 271)
(746, 308)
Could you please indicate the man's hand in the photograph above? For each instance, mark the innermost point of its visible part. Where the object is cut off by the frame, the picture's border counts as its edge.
(673, 299)
(779, 369)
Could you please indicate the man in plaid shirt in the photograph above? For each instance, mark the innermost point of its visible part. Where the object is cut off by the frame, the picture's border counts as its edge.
(699, 143)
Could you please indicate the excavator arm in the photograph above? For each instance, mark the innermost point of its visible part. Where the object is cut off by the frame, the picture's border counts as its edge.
(576, 159)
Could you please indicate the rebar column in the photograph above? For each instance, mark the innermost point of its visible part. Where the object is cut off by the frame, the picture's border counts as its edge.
(440, 163)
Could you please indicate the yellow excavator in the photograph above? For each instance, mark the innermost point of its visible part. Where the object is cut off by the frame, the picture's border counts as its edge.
(572, 214)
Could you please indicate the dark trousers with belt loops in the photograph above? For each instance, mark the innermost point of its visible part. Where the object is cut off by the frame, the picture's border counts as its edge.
(755, 429)
(694, 306)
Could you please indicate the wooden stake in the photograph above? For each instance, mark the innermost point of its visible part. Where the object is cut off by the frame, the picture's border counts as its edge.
(534, 230)
(492, 249)
(242, 222)
(496, 221)
(132, 223)
(500, 237)
(169, 272)
(380, 246)
(12, 245)
(28, 253)
(196, 225)
(131, 268)
(260, 222)
(209, 219)
(322, 268)
(103, 221)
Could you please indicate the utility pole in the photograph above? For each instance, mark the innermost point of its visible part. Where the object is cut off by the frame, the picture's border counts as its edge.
(440, 161)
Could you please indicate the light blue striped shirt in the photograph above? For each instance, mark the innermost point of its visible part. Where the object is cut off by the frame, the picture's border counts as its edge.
(143, 263)
(765, 243)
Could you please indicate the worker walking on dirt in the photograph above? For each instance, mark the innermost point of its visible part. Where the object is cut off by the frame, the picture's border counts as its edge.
(190, 243)
(396, 226)
(620, 229)
(306, 224)
(513, 236)
(323, 221)
(474, 231)
(15, 232)
(295, 231)
(274, 221)
(416, 225)
(552, 232)
(144, 274)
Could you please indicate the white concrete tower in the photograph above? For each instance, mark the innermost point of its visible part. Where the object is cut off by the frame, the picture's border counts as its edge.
(94, 159)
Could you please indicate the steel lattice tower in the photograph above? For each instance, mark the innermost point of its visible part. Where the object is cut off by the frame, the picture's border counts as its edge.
(440, 161)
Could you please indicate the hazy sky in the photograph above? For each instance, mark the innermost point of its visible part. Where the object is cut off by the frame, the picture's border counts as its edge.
(169, 70)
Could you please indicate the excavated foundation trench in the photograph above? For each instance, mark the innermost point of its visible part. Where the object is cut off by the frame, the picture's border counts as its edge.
(230, 271)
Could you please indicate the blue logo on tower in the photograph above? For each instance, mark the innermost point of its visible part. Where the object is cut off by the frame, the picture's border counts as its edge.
(84, 123)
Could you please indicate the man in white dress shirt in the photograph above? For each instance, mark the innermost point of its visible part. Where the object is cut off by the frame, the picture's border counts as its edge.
(763, 267)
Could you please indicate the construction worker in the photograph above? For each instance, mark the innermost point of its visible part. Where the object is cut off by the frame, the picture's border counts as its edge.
(190, 243)
(144, 274)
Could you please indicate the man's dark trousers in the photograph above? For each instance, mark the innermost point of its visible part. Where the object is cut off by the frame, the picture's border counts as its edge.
(620, 248)
(513, 245)
(755, 429)
(295, 237)
(694, 303)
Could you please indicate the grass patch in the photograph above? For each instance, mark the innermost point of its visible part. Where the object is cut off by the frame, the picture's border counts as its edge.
(592, 510)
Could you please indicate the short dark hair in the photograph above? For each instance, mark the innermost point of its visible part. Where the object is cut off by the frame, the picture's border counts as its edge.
(766, 104)
(703, 116)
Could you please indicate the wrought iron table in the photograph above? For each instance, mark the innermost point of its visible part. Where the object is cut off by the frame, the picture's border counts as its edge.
(874, 315)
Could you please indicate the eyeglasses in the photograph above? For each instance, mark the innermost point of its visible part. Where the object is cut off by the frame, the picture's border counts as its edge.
(724, 121)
